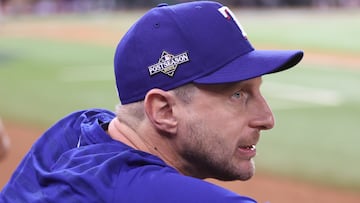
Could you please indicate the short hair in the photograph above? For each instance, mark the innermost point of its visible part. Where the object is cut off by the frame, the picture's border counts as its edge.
(131, 114)
(185, 93)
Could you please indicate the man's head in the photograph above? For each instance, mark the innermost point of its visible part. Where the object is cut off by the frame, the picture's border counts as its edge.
(193, 74)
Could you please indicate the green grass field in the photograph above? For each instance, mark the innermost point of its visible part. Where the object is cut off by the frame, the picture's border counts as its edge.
(317, 105)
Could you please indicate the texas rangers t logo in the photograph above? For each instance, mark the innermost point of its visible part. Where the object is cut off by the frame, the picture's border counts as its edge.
(228, 14)
(168, 63)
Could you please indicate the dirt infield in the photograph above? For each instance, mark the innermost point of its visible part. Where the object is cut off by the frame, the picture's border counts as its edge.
(262, 187)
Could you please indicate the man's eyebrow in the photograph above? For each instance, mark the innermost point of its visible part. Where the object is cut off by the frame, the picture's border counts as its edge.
(230, 86)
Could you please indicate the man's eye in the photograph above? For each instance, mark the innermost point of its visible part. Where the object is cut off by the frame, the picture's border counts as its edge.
(237, 95)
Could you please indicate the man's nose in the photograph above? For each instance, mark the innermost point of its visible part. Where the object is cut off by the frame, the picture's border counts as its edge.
(264, 118)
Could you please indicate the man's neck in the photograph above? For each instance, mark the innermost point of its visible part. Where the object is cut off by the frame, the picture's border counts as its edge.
(121, 132)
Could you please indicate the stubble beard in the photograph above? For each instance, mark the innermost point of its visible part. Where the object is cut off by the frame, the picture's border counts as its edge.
(209, 157)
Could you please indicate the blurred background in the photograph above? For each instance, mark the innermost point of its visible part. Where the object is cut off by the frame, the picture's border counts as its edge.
(56, 56)
(16, 7)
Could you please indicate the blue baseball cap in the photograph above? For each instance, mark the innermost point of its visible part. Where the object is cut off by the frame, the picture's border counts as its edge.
(195, 42)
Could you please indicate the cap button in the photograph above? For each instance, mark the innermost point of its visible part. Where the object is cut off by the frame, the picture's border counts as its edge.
(162, 4)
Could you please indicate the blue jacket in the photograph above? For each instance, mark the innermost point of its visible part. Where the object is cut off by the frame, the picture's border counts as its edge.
(76, 161)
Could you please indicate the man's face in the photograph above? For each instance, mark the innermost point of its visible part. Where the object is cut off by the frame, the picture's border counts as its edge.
(220, 128)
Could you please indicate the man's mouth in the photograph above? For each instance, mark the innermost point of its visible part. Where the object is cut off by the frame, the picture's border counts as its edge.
(248, 147)
(248, 151)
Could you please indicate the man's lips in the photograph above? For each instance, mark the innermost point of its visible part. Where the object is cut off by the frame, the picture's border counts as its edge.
(247, 150)
(249, 147)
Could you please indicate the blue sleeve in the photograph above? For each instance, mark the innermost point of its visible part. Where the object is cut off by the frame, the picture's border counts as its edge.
(37, 180)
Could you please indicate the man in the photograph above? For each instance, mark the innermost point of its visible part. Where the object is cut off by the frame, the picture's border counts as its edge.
(188, 80)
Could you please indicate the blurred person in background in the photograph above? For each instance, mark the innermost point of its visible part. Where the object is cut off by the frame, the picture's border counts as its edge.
(4, 141)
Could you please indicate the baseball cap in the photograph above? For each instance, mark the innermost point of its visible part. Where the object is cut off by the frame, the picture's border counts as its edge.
(194, 42)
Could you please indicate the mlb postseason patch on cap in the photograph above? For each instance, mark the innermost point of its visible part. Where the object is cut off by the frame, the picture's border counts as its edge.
(168, 63)
(200, 42)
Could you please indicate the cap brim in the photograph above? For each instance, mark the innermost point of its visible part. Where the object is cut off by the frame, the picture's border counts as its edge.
(253, 64)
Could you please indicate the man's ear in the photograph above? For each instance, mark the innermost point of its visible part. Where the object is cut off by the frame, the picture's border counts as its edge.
(159, 106)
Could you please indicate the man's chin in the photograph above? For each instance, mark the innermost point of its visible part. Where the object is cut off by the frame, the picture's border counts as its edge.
(248, 173)
(244, 176)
